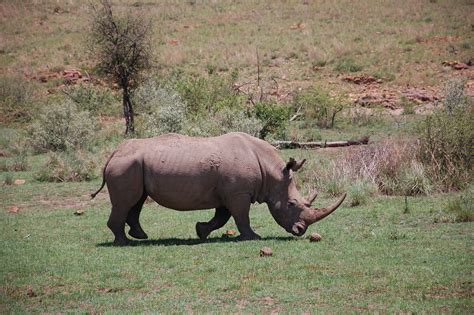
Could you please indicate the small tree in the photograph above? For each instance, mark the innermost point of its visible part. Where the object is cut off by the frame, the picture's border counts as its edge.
(122, 45)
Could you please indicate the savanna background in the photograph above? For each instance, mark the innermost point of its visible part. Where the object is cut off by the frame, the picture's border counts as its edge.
(303, 71)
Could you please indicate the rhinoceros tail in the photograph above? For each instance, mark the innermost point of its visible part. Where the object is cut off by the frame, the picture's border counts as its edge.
(103, 176)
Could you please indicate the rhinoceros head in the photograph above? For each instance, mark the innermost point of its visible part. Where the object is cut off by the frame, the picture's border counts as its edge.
(289, 209)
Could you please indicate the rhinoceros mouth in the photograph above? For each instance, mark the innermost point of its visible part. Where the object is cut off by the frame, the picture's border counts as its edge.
(298, 229)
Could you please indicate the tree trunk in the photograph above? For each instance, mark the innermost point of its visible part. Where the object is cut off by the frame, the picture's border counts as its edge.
(127, 111)
(320, 144)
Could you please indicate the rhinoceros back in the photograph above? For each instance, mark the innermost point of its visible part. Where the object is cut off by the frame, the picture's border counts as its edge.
(187, 173)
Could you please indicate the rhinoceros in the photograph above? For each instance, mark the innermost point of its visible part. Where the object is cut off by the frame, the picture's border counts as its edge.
(228, 173)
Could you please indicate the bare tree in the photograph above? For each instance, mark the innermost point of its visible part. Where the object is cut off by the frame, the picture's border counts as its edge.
(122, 46)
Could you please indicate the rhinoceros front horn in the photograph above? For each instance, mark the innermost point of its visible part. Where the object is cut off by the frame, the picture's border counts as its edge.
(320, 213)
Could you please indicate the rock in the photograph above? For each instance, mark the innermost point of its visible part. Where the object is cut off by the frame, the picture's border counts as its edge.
(315, 237)
(19, 181)
(266, 251)
(13, 209)
(79, 212)
(30, 292)
(230, 232)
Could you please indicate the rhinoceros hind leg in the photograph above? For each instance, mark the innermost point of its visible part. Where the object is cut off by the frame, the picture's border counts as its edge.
(239, 208)
(116, 224)
(133, 220)
(203, 229)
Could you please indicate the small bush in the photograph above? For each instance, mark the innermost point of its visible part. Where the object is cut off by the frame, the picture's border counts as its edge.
(16, 95)
(446, 141)
(60, 127)
(347, 65)
(462, 207)
(19, 163)
(224, 121)
(364, 116)
(237, 120)
(67, 167)
(274, 118)
(360, 192)
(208, 94)
(164, 111)
(414, 180)
(8, 179)
(318, 107)
(91, 98)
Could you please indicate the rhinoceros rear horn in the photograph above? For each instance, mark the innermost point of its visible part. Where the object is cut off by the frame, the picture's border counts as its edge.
(294, 165)
(311, 198)
(321, 213)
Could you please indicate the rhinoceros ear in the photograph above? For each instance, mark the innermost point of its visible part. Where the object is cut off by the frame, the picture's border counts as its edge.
(294, 165)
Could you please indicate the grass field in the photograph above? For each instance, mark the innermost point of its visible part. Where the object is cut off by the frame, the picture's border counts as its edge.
(374, 258)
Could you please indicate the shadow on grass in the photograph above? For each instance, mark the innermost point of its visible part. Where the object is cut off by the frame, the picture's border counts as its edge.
(191, 241)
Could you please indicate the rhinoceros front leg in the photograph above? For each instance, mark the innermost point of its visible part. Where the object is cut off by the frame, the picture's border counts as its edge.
(203, 229)
(239, 208)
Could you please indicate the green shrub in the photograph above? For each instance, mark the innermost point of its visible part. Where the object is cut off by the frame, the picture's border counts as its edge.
(318, 107)
(414, 181)
(224, 121)
(360, 192)
(446, 142)
(275, 118)
(208, 94)
(237, 120)
(16, 95)
(72, 166)
(93, 99)
(19, 163)
(8, 179)
(61, 126)
(164, 111)
(347, 65)
(462, 207)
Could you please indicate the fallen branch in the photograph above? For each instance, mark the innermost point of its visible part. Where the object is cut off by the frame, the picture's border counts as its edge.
(319, 144)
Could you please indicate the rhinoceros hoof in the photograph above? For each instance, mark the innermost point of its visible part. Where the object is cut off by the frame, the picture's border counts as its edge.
(138, 234)
(201, 230)
(121, 242)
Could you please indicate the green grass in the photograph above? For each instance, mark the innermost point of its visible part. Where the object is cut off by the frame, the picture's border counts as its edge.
(373, 258)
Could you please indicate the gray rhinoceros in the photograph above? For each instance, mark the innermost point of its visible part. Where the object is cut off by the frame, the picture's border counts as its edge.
(227, 173)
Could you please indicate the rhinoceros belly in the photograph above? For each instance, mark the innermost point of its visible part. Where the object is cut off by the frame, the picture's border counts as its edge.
(183, 178)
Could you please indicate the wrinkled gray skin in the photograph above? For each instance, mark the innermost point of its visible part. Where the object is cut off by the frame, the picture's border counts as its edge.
(227, 173)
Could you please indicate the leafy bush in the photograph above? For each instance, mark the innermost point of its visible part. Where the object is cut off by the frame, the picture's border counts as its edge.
(414, 180)
(8, 179)
(16, 95)
(167, 111)
(224, 121)
(462, 207)
(208, 94)
(19, 163)
(164, 111)
(61, 126)
(274, 117)
(360, 192)
(318, 106)
(237, 120)
(69, 166)
(348, 65)
(446, 141)
(91, 98)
